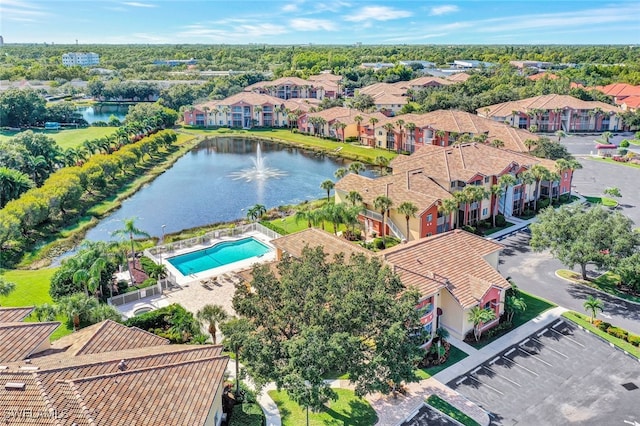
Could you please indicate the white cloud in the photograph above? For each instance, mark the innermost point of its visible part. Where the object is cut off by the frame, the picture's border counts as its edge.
(377, 13)
(291, 7)
(306, 24)
(20, 11)
(138, 4)
(330, 6)
(443, 10)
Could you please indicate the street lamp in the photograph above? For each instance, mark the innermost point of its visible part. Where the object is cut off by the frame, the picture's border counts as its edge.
(163, 226)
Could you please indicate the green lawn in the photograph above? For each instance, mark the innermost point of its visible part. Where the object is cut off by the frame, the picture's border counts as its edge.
(455, 355)
(496, 229)
(610, 161)
(583, 321)
(347, 410)
(443, 406)
(607, 282)
(605, 201)
(351, 151)
(70, 138)
(535, 306)
(32, 288)
(634, 141)
(247, 415)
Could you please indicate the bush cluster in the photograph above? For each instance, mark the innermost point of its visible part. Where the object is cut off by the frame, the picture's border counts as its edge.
(618, 332)
(172, 322)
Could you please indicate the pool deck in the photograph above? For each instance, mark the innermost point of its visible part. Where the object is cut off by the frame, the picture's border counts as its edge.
(214, 286)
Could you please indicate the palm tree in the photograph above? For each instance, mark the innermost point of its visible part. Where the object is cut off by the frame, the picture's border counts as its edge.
(560, 134)
(527, 178)
(410, 130)
(357, 167)
(497, 143)
(132, 231)
(381, 161)
(339, 126)
(530, 143)
(400, 123)
(212, 315)
(6, 287)
(389, 129)
(449, 206)
(514, 304)
(441, 134)
(340, 173)
(496, 191)
(77, 307)
(540, 173)
(256, 212)
(358, 119)
(373, 122)
(235, 332)
(593, 305)
(505, 181)
(606, 136)
(573, 165)
(383, 204)
(257, 110)
(354, 198)
(306, 215)
(104, 312)
(479, 317)
(409, 210)
(327, 185)
(44, 312)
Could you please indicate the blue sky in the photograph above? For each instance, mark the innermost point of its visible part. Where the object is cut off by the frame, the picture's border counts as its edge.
(321, 21)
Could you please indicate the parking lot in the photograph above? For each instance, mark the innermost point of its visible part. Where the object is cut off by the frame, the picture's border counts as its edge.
(558, 375)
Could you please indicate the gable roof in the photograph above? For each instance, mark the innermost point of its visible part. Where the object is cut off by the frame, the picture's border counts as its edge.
(454, 260)
(21, 339)
(459, 77)
(543, 75)
(107, 336)
(313, 237)
(619, 90)
(14, 314)
(427, 81)
(543, 102)
(326, 76)
(463, 162)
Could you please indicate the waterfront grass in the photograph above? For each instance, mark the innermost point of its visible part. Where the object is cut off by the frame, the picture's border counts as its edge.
(68, 138)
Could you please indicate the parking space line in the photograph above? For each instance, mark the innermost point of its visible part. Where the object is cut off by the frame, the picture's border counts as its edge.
(542, 332)
(521, 366)
(536, 357)
(461, 380)
(568, 338)
(512, 350)
(493, 361)
(500, 375)
(484, 384)
(550, 348)
(558, 323)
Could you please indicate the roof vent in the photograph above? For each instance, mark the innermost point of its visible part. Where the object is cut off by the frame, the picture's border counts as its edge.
(28, 368)
(14, 386)
(630, 386)
(122, 365)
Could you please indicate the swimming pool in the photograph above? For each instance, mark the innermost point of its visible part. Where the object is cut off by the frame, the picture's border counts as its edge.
(218, 255)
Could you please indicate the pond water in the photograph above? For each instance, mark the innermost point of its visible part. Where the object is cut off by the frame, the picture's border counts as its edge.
(213, 183)
(103, 113)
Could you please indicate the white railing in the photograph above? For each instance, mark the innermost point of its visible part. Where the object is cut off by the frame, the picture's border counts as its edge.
(132, 296)
(392, 226)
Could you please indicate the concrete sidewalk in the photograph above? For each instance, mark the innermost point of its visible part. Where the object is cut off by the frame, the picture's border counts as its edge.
(499, 345)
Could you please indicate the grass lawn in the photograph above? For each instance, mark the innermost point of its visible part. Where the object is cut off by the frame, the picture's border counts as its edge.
(32, 288)
(605, 201)
(247, 415)
(351, 151)
(455, 355)
(347, 410)
(583, 321)
(607, 282)
(610, 161)
(634, 141)
(70, 138)
(496, 229)
(535, 306)
(443, 406)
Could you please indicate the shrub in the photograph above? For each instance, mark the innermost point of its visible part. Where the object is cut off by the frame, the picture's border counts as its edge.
(172, 322)
(542, 204)
(603, 325)
(469, 228)
(500, 220)
(634, 340)
(624, 144)
(618, 332)
(622, 151)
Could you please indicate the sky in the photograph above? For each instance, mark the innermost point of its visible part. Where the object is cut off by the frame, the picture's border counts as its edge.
(320, 22)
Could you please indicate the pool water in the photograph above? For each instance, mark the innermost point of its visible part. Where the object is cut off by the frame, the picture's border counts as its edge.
(218, 255)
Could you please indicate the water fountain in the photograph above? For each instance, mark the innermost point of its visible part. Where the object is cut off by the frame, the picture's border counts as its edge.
(259, 171)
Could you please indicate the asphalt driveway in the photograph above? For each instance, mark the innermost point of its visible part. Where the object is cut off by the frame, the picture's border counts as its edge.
(558, 375)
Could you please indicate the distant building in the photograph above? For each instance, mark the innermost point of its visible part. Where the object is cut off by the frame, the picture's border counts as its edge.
(470, 64)
(376, 66)
(175, 62)
(425, 64)
(1, 41)
(83, 59)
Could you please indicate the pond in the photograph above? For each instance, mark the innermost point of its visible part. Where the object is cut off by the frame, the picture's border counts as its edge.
(103, 113)
(218, 181)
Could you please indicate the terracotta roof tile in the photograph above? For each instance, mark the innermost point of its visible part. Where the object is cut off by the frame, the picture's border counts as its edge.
(107, 336)
(326, 77)
(459, 77)
(619, 90)
(14, 314)
(542, 75)
(428, 81)
(313, 237)
(544, 102)
(454, 260)
(21, 339)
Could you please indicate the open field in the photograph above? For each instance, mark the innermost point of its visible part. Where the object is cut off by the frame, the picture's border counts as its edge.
(70, 138)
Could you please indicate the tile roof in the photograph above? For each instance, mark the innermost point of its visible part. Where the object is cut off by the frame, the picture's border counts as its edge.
(313, 237)
(282, 81)
(24, 338)
(619, 90)
(14, 314)
(632, 102)
(24, 407)
(464, 161)
(459, 77)
(410, 186)
(386, 88)
(544, 102)
(250, 98)
(464, 122)
(541, 75)
(454, 260)
(428, 81)
(326, 77)
(300, 104)
(107, 336)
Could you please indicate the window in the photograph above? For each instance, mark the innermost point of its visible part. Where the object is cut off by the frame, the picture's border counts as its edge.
(429, 217)
(486, 179)
(453, 184)
(485, 211)
(566, 175)
(429, 234)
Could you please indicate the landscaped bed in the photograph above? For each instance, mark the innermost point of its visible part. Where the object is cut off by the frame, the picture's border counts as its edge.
(584, 322)
(348, 409)
(455, 355)
(443, 406)
(607, 282)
